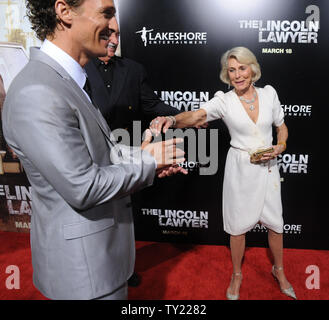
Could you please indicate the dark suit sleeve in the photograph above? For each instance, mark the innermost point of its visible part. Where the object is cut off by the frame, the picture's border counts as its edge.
(151, 104)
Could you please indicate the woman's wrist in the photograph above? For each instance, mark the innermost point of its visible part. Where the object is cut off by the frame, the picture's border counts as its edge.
(173, 121)
(283, 145)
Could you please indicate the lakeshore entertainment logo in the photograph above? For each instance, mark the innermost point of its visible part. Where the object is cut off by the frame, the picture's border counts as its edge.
(285, 31)
(151, 37)
(293, 163)
(179, 218)
(184, 100)
(296, 110)
(287, 228)
(18, 199)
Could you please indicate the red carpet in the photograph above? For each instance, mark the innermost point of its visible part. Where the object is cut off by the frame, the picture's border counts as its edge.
(184, 272)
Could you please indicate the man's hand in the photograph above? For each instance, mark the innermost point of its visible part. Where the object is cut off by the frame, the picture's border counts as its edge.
(171, 170)
(166, 154)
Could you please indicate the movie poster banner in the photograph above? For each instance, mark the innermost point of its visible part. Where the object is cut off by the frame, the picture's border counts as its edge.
(16, 37)
(180, 44)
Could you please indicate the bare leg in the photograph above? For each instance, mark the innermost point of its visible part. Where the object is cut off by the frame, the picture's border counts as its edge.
(275, 241)
(237, 245)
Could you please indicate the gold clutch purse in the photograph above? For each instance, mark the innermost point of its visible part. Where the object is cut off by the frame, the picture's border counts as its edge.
(257, 155)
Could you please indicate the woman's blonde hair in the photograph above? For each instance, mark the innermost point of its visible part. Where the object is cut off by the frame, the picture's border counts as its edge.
(242, 55)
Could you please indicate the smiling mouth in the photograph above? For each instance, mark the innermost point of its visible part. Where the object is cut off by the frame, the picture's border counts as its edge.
(105, 35)
(112, 46)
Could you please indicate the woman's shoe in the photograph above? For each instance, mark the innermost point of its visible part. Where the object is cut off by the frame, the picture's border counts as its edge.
(230, 296)
(288, 292)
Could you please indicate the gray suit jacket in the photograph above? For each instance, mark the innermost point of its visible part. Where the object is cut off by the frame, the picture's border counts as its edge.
(82, 237)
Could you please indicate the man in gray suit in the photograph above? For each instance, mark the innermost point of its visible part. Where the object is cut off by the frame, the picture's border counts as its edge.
(82, 236)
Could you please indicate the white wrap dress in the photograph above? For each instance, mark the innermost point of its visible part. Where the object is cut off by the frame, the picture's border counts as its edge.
(251, 192)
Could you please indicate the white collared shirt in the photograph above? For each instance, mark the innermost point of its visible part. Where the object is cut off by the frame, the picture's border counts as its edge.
(71, 66)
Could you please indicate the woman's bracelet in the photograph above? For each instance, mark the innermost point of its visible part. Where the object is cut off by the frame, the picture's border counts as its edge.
(283, 144)
(173, 120)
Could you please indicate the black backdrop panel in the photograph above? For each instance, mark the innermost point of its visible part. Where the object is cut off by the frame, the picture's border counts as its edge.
(180, 44)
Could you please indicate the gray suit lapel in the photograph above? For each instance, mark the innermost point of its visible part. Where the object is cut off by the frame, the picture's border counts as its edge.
(38, 55)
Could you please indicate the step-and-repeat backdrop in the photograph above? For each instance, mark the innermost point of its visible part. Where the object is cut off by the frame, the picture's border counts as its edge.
(16, 37)
(180, 44)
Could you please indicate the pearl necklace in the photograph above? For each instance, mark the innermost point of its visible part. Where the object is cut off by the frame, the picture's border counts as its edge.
(252, 107)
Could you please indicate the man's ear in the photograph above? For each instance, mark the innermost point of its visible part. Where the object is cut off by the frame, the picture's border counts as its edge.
(63, 12)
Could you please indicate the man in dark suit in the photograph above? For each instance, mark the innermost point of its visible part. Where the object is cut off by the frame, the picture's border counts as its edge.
(119, 88)
(121, 91)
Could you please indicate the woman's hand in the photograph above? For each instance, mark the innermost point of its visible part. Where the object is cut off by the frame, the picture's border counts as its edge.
(282, 136)
(161, 124)
(186, 119)
(278, 149)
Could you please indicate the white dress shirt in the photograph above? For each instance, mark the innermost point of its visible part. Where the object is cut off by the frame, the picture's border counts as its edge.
(71, 66)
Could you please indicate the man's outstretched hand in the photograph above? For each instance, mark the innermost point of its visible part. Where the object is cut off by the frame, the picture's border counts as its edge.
(166, 154)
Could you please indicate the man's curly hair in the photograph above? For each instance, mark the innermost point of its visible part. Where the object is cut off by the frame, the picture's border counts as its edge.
(42, 15)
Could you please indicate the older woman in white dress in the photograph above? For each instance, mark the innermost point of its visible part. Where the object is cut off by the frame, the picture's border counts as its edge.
(251, 190)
